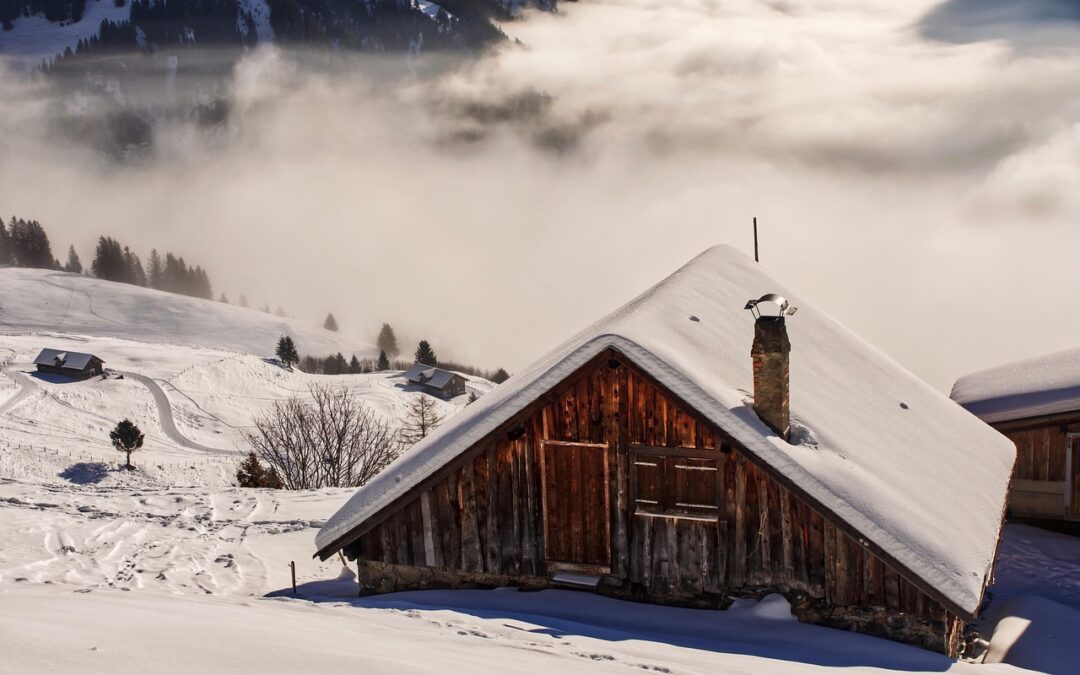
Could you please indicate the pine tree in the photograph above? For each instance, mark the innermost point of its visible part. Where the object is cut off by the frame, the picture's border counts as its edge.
(126, 438)
(280, 312)
(74, 265)
(330, 323)
(286, 352)
(250, 473)
(421, 419)
(354, 364)
(273, 480)
(500, 376)
(243, 300)
(154, 276)
(266, 309)
(425, 354)
(6, 257)
(472, 397)
(387, 341)
(383, 363)
(223, 299)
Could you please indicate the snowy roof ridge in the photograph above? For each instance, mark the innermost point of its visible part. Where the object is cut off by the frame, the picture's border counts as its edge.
(872, 421)
(1043, 385)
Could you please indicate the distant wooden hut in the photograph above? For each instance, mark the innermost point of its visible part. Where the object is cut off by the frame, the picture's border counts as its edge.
(654, 457)
(435, 381)
(1036, 404)
(72, 364)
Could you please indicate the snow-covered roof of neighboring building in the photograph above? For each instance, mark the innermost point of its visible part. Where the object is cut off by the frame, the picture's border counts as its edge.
(912, 471)
(431, 376)
(1045, 385)
(57, 357)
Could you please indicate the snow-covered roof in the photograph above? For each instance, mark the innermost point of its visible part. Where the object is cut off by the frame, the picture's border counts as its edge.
(912, 471)
(1045, 385)
(57, 357)
(431, 376)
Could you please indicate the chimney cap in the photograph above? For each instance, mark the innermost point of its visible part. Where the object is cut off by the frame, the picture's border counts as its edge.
(780, 301)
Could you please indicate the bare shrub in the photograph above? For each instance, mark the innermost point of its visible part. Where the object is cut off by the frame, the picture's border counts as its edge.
(331, 440)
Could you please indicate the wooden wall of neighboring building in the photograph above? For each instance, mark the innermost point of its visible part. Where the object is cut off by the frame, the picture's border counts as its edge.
(590, 443)
(1042, 474)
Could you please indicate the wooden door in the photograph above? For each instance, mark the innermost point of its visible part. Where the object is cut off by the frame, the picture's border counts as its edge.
(577, 528)
(1072, 478)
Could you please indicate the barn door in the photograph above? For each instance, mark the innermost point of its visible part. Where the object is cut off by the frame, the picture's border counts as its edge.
(577, 532)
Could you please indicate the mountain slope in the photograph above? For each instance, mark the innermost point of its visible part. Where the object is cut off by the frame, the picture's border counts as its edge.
(34, 300)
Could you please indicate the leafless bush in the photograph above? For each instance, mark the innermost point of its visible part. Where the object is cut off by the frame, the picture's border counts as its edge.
(331, 440)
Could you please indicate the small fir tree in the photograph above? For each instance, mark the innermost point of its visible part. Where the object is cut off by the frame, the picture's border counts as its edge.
(223, 299)
(500, 376)
(126, 438)
(383, 363)
(354, 365)
(425, 354)
(330, 323)
(286, 351)
(74, 265)
(387, 341)
(250, 473)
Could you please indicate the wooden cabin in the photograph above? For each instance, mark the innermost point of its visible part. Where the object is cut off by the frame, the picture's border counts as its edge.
(435, 381)
(1036, 404)
(71, 364)
(683, 451)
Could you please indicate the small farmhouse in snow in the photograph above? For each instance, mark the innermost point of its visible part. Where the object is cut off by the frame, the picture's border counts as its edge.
(436, 381)
(1036, 404)
(72, 364)
(686, 451)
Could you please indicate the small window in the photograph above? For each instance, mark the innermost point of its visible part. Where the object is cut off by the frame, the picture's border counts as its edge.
(675, 485)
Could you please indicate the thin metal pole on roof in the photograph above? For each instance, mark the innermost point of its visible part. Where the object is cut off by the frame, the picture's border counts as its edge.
(756, 259)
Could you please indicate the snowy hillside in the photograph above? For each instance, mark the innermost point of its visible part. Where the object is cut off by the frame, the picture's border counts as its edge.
(192, 404)
(34, 300)
(170, 568)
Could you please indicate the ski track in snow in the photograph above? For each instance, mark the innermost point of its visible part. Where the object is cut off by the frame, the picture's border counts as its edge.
(165, 416)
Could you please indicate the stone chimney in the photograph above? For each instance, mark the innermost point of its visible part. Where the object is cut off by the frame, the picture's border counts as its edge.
(772, 393)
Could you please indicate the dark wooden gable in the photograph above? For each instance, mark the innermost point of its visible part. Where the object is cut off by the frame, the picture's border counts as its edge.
(611, 474)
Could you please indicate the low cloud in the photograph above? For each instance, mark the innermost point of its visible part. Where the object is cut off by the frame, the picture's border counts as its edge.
(922, 191)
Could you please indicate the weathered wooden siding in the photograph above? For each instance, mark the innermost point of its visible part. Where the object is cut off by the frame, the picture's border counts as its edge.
(485, 516)
(1041, 477)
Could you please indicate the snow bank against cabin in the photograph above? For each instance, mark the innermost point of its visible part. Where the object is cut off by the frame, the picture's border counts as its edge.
(908, 468)
(1044, 385)
(33, 300)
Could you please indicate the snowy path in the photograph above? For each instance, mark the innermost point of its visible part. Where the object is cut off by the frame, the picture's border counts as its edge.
(25, 386)
(165, 416)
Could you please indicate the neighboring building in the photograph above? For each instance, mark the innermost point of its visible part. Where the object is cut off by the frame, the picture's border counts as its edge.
(436, 381)
(72, 364)
(1036, 404)
(636, 461)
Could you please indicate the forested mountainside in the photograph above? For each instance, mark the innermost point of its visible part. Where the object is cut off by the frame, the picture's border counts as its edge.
(379, 25)
(143, 61)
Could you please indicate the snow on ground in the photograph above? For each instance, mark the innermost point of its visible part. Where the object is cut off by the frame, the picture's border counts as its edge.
(170, 569)
(34, 38)
(193, 405)
(33, 300)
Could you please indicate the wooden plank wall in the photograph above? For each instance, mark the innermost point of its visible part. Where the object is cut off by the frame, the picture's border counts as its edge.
(1040, 453)
(485, 516)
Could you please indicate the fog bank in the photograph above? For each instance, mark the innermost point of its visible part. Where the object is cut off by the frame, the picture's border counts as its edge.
(921, 187)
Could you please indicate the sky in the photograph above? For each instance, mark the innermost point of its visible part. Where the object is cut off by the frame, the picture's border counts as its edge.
(913, 168)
